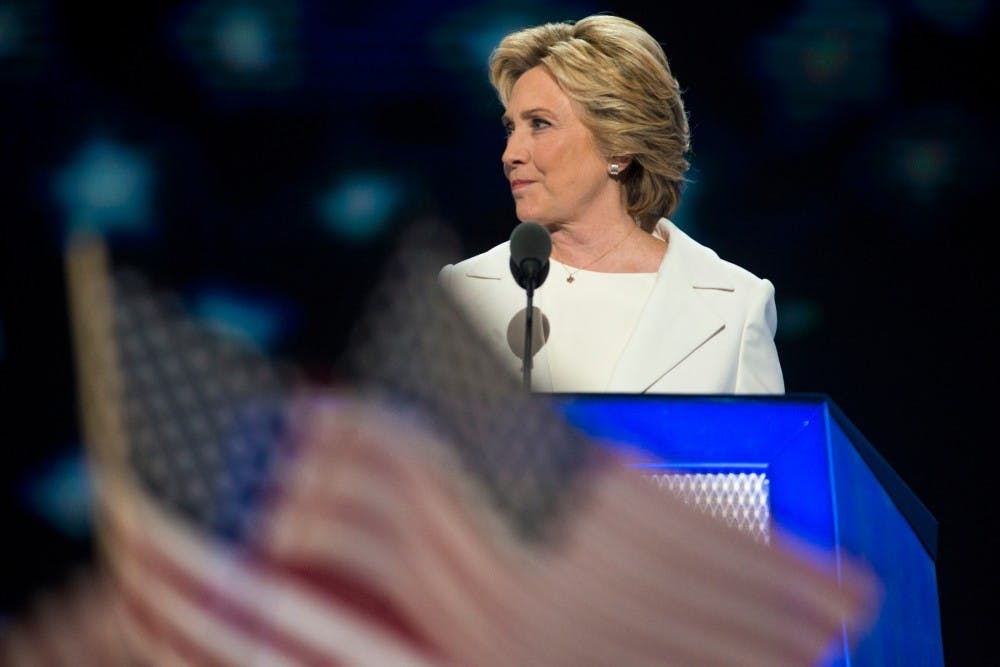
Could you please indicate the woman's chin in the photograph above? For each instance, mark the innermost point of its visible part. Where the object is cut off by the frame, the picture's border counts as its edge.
(525, 214)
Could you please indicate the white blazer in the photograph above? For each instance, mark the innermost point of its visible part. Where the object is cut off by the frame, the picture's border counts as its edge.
(707, 327)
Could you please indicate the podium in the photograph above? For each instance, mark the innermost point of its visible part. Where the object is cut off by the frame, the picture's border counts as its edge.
(798, 460)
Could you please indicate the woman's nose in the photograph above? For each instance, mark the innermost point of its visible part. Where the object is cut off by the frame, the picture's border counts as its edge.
(515, 152)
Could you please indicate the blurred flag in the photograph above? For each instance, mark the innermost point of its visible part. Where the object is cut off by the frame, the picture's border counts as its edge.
(187, 429)
(438, 515)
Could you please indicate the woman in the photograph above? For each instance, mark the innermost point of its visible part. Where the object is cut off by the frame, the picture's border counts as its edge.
(596, 144)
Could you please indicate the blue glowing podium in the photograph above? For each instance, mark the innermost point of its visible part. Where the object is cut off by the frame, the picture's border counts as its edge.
(822, 481)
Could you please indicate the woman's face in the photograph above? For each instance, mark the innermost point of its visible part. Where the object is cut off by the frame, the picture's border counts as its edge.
(555, 171)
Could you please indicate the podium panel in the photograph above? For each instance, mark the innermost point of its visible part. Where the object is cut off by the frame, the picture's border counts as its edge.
(799, 461)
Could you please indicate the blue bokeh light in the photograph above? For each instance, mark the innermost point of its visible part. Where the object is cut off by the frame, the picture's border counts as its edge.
(61, 492)
(244, 37)
(106, 188)
(259, 319)
(250, 46)
(359, 207)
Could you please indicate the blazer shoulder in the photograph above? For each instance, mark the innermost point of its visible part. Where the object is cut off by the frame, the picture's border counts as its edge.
(494, 263)
(706, 269)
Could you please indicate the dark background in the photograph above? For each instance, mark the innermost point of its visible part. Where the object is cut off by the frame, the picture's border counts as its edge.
(260, 157)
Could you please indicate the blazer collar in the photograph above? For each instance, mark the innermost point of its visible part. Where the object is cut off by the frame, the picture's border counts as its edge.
(675, 321)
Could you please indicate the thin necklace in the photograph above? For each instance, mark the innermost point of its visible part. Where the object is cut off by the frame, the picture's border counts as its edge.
(570, 274)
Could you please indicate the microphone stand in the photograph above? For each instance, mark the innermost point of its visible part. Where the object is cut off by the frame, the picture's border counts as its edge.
(528, 317)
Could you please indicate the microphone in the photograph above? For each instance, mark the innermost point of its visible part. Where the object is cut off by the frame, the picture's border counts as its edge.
(530, 247)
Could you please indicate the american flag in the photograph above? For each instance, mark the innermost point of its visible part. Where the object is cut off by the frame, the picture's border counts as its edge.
(189, 439)
(434, 514)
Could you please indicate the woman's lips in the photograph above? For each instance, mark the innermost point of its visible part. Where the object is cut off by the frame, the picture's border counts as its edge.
(517, 185)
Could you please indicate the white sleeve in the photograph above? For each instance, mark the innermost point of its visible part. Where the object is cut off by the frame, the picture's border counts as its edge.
(759, 371)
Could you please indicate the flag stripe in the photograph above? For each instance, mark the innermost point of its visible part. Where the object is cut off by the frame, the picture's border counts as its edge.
(172, 641)
(179, 576)
(201, 623)
(152, 643)
(443, 574)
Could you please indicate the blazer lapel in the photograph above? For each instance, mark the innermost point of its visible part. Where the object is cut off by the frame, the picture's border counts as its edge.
(674, 322)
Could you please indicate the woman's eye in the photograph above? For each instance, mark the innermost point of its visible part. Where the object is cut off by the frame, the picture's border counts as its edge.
(534, 124)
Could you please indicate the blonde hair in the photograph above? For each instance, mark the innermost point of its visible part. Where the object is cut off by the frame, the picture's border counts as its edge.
(631, 102)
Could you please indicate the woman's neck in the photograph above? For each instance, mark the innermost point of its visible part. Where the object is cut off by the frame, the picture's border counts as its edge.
(578, 243)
